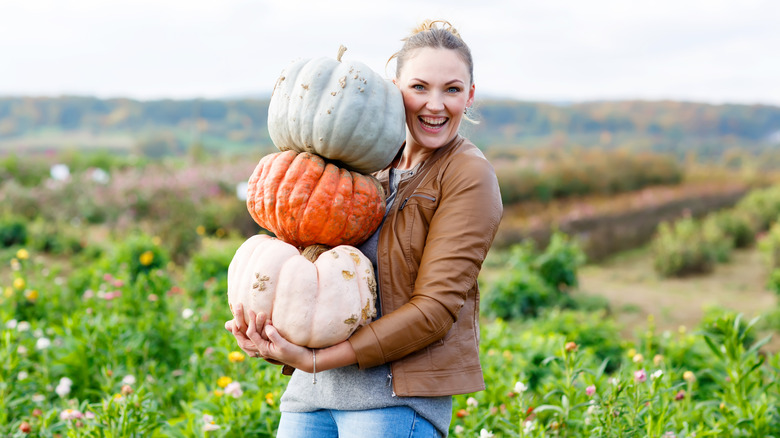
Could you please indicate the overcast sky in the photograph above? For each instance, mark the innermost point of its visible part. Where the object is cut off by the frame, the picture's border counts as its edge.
(718, 51)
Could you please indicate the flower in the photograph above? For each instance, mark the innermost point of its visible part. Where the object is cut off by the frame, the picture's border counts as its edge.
(8, 292)
(22, 375)
(128, 380)
(234, 389)
(570, 346)
(640, 376)
(528, 427)
(472, 402)
(461, 413)
(236, 356)
(484, 433)
(25, 427)
(38, 398)
(269, 398)
(638, 358)
(224, 381)
(657, 359)
(459, 429)
(656, 374)
(127, 390)
(187, 313)
(209, 423)
(62, 390)
(42, 343)
(23, 326)
(680, 395)
(71, 414)
(11, 324)
(689, 376)
(146, 258)
(590, 390)
(520, 387)
(631, 352)
(22, 254)
(19, 283)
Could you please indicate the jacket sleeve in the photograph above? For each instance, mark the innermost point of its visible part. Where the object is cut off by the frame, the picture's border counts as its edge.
(459, 236)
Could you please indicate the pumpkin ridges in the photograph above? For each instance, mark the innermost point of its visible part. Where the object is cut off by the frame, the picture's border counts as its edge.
(266, 217)
(295, 308)
(255, 189)
(320, 209)
(305, 174)
(341, 206)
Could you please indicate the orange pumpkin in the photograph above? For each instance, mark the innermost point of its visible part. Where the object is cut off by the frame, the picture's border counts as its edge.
(304, 201)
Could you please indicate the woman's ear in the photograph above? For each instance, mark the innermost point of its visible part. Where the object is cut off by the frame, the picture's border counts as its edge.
(471, 95)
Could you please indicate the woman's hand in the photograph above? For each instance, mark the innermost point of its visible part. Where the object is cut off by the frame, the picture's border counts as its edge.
(259, 338)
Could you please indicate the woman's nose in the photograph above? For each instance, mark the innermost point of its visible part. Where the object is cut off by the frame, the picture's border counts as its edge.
(435, 102)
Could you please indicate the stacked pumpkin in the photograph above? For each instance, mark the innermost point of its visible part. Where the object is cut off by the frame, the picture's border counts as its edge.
(334, 123)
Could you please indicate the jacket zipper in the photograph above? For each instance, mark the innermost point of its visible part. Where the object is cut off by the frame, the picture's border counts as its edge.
(403, 204)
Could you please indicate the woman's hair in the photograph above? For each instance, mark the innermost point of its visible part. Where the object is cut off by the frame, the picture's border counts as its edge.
(428, 34)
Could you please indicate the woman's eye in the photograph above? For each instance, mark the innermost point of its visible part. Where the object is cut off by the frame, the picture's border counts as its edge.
(418, 87)
(453, 90)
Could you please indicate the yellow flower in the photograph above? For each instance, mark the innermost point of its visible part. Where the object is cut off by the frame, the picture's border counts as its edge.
(638, 358)
(201, 230)
(220, 232)
(31, 295)
(224, 381)
(657, 359)
(507, 355)
(8, 292)
(689, 376)
(682, 329)
(22, 254)
(156, 240)
(269, 398)
(218, 392)
(631, 352)
(19, 283)
(146, 258)
(236, 356)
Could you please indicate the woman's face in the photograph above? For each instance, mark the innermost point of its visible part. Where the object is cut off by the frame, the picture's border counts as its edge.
(437, 89)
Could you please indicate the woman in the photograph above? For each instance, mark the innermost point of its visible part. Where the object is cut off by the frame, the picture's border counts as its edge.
(396, 376)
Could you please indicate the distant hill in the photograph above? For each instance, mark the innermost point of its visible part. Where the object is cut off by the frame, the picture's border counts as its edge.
(37, 124)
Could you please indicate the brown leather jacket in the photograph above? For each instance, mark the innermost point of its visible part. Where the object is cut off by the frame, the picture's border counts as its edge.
(430, 251)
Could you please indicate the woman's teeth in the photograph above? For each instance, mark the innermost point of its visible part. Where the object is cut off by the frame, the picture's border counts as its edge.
(433, 122)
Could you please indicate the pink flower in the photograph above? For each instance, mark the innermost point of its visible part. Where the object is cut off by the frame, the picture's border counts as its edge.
(680, 395)
(234, 389)
(640, 376)
(590, 390)
(71, 414)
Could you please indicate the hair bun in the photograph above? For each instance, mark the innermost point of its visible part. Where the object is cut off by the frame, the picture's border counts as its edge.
(432, 25)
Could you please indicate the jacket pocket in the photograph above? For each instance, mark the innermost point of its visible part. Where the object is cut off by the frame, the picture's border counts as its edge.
(422, 199)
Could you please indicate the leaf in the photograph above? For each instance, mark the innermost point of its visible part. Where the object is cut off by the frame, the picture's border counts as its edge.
(712, 346)
(543, 408)
(758, 344)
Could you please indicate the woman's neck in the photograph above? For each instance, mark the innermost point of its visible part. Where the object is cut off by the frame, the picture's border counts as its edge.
(414, 154)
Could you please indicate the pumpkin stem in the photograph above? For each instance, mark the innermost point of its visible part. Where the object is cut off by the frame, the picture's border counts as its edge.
(312, 252)
(342, 49)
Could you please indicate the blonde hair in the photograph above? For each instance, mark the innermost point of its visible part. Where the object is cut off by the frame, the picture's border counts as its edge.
(433, 34)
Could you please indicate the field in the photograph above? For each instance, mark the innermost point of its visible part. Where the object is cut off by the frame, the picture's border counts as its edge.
(113, 301)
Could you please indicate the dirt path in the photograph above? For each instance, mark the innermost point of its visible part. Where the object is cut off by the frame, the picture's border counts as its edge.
(636, 291)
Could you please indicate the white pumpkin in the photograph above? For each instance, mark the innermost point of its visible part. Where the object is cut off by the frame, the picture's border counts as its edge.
(342, 111)
(311, 304)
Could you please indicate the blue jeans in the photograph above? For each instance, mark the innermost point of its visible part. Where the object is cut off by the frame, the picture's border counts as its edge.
(392, 422)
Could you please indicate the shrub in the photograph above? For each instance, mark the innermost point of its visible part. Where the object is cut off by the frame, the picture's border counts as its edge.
(681, 249)
(13, 231)
(737, 225)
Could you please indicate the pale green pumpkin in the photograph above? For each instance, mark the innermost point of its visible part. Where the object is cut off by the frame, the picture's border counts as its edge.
(340, 110)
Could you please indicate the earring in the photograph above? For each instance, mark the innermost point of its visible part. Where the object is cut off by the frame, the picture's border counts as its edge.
(466, 110)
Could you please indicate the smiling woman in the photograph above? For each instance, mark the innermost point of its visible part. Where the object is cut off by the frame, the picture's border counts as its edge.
(396, 375)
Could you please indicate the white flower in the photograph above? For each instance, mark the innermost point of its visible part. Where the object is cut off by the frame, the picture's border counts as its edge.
(62, 390)
(484, 433)
(66, 382)
(656, 374)
(22, 375)
(234, 389)
(471, 401)
(520, 387)
(187, 313)
(38, 333)
(42, 343)
(23, 326)
(22, 350)
(528, 427)
(11, 324)
(128, 380)
(459, 429)
(209, 424)
(38, 398)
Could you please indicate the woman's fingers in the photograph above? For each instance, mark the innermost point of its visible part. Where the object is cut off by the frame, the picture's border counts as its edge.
(239, 318)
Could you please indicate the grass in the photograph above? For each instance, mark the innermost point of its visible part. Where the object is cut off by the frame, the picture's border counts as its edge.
(635, 291)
